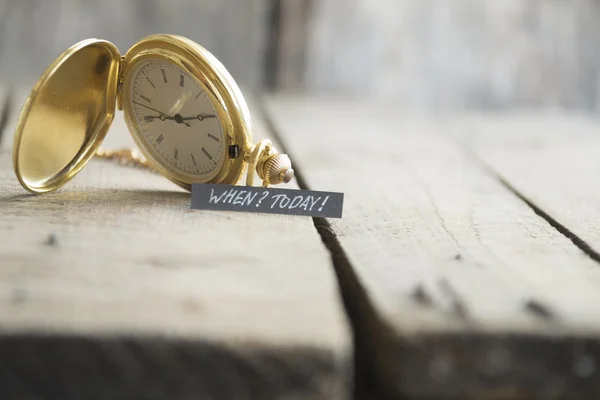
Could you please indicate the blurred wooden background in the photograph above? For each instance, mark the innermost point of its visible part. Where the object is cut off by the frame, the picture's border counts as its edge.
(427, 54)
(33, 32)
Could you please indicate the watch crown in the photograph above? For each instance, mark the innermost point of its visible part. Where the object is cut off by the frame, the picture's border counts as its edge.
(276, 169)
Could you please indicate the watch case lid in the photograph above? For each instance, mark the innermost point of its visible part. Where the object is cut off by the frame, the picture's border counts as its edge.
(66, 116)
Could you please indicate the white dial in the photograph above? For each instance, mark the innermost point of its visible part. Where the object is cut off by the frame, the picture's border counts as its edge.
(179, 125)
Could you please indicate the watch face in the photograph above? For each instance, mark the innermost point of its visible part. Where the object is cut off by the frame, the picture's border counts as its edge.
(179, 127)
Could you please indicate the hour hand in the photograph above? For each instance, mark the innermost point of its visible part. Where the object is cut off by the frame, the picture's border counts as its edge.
(200, 117)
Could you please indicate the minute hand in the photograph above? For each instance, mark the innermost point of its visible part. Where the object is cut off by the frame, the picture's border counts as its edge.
(177, 118)
(167, 116)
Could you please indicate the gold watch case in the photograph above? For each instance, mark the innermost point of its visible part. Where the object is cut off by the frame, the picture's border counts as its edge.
(71, 107)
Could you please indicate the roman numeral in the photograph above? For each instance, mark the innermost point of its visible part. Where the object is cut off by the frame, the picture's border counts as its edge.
(213, 137)
(159, 139)
(151, 82)
(206, 153)
(198, 95)
(149, 118)
(176, 155)
(145, 98)
(181, 80)
(193, 160)
(164, 74)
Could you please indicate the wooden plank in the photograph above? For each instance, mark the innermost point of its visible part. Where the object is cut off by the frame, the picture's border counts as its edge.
(34, 32)
(113, 288)
(549, 158)
(457, 54)
(455, 287)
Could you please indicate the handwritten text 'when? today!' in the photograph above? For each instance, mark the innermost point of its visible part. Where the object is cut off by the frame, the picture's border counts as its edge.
(244, 198)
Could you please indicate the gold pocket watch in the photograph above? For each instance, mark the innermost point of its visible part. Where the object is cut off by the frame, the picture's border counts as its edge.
(183, 110)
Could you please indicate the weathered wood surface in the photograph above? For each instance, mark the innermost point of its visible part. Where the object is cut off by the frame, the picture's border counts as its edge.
(37, 30)
(457, 54)
(112, 288)
(551, 159)
(478, 296)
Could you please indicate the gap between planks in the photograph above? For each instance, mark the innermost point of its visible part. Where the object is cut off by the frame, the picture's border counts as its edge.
(537, 208)
(14, 99)
(372, 337)
(5, 113)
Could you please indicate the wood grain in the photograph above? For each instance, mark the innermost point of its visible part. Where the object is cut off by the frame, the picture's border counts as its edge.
(549, 158)
(113, 288)
(465, 274)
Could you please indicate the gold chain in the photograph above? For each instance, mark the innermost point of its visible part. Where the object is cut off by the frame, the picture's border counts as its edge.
(272, 167)
(130, 157)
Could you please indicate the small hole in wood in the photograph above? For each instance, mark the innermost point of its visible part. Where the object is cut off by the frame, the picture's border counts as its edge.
(51, 240)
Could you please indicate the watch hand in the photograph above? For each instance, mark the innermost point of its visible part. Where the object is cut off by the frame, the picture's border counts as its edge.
(200, 117)
(153, 117)
(167, 116)
(177, 118)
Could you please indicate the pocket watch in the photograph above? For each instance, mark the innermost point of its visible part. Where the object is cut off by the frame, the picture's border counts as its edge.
(183, 109)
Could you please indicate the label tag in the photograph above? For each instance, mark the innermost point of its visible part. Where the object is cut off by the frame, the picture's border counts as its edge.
(267, 200)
